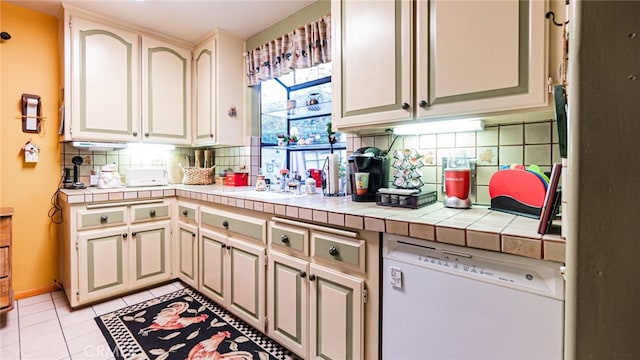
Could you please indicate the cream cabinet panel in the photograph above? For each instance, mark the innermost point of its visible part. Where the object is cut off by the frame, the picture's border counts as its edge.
(103, 81)
(213, 279)
(218, 106)
(288, 305)
(498, 62)
(166, 92)
(372, 62)
(337, 315)
(150, 253)
(247, 281)
(102, 263)
(188, 254)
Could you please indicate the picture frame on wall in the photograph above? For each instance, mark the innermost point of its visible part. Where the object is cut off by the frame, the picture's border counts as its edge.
(551, 204)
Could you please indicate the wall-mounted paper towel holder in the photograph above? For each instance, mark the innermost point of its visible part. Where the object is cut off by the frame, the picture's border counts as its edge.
(31, 113)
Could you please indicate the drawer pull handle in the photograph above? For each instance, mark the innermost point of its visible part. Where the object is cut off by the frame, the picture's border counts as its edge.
(284, 239)
(312, 277)
(125, 235)
(333, 251)
(103, 219)
(152, 213)
(185, 212)
(225, 223)
(303, 274)
(134, 234)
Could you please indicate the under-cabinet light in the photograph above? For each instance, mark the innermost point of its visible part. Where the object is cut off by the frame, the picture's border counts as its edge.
(444, 126)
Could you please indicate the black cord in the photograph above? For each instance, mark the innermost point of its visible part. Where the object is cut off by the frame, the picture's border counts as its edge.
(55, 213)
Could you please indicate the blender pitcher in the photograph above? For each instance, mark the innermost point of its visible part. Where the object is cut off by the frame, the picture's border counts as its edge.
(457, 183)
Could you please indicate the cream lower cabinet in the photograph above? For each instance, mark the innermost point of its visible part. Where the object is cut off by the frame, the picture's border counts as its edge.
(186, 247)
(232, 258)
(317, 308)
(115, 249)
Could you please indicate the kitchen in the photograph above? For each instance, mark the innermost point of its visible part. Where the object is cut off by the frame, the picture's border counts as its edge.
(600, 311)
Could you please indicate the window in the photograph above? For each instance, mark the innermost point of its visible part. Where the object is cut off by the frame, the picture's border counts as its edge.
(296, 115)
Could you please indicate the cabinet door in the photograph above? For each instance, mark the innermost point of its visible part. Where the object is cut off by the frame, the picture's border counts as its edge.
(166, 92)
(476, 57)
(336, 318)
(150, 253)
(105, 82)
(102, 263)
(371, 71)
(213, 266)
(288, 302)
(219, 87)
(246, 282)
(188, 254)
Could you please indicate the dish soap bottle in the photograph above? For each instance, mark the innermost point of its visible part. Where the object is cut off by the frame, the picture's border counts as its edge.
(310, 184)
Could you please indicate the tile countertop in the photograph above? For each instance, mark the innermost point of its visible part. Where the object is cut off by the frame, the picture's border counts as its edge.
(477, 227)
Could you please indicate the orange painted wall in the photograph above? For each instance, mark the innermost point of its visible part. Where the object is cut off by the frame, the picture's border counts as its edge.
(29, 64)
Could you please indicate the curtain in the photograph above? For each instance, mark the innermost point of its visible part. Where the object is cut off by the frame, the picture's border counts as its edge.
(304, 47)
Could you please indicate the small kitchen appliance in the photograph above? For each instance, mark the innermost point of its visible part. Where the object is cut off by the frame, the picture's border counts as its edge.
(457, 183)
(147, 177)
(369, 160)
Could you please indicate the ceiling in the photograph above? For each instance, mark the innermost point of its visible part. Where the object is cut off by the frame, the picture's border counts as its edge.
(187, 20)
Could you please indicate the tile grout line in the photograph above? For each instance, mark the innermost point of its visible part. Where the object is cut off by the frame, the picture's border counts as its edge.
(55, 308)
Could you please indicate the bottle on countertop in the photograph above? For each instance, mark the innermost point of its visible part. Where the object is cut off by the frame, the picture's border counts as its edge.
(310, 184)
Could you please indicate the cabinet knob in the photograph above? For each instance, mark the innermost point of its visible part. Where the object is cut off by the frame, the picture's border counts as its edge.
(405, 106)
(185, 212)
(303, 274)
(284, 239)
(146, 134)
(423, 104)
(152, 213)
(134, 234)
(225, 223)
(211, 136)
(193, 234)
(312, 277)
(224, 246)
(103, 219)
(333, 251)
(135, 133)
(125, 235)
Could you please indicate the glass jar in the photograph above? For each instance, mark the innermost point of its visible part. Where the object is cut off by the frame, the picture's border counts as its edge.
(260, 183)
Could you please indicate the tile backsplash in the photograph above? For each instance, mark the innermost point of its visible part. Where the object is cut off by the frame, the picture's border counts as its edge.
(497, 145)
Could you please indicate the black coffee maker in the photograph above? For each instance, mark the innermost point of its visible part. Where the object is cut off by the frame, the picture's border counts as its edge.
(373, 161)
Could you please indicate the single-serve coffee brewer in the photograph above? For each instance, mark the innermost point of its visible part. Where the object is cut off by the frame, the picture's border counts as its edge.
(368, 172)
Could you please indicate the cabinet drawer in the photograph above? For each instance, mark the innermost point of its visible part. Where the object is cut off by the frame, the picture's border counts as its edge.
(5, 230)
(4, 261)
(339, 250)
(149, 212)
(188, 213)
(289, 237)
(102, 217)
(237, 224)
(5, 292)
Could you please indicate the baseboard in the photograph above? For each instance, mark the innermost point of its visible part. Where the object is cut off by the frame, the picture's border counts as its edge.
(34, 292)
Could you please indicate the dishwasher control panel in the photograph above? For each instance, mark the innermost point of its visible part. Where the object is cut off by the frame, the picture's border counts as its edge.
(502, 269)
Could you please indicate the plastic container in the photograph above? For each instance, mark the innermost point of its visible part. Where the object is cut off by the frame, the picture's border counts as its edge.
(237, 179)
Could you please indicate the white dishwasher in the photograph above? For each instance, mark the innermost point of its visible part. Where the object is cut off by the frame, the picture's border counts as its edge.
(441, 301)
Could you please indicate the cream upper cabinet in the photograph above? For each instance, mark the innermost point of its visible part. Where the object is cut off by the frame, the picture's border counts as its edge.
(102, 83)
(218, 104)
(123, 85)
(471, 58)
(166, 92)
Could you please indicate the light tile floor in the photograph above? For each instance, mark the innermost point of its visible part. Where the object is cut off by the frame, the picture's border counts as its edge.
(45, 327)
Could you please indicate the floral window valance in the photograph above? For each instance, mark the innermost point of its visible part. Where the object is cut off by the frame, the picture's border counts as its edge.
(301, 48)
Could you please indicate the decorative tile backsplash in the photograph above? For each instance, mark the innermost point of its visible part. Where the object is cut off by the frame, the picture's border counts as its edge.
(497, 145)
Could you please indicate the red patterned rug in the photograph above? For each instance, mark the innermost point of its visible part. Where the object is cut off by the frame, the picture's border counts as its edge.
(184, 325)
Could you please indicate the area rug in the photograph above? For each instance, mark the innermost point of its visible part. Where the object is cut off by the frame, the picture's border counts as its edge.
(184, 325)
